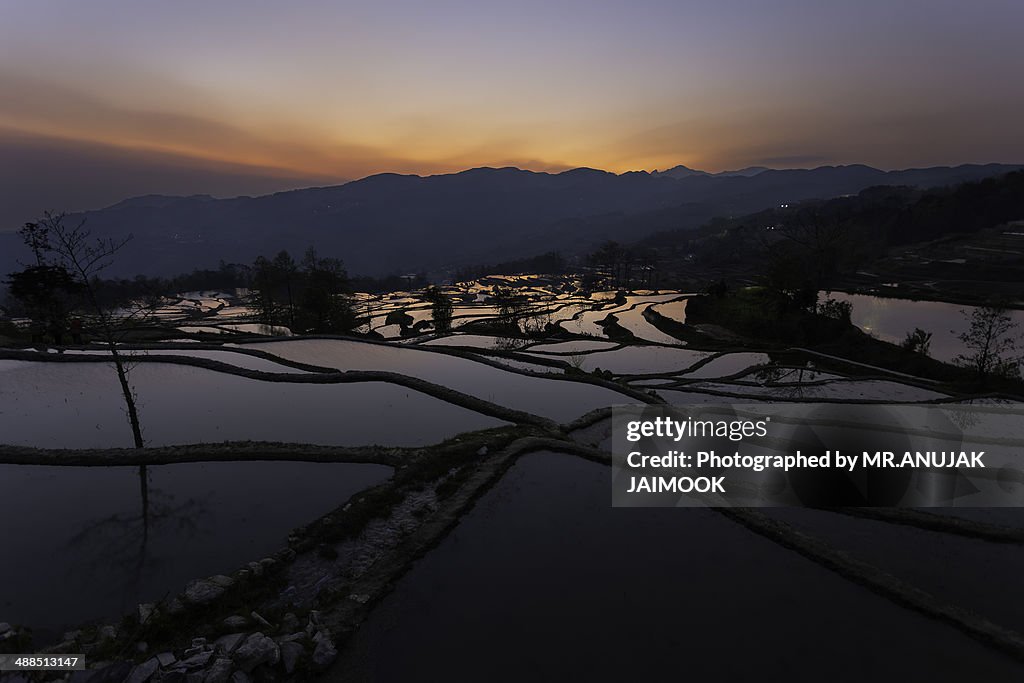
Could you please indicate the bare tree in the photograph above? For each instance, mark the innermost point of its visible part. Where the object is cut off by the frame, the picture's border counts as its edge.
(991, 344)
(83, 257)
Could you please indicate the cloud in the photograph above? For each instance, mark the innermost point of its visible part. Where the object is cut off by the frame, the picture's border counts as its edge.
(39, 173)
(422, 146)
(63, 149)
(793, 160)
(47, 173)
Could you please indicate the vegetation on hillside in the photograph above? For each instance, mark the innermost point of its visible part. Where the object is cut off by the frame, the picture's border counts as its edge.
(828, 239)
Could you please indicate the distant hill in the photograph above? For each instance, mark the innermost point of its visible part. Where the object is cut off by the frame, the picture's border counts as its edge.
(681, 171)
(747, 172)
(392, 223)
(678, 172)
(949, 241)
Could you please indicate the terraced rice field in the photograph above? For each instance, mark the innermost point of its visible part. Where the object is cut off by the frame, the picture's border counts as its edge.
(399, 393)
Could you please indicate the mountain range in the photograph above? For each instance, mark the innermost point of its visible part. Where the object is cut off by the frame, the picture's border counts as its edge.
(681, 171)
(391, 223)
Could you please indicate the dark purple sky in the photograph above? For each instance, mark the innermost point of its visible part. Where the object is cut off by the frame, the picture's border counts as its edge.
(105, 99)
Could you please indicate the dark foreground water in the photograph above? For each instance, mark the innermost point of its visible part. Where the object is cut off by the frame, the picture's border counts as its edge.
(76, 545)
(544, 581)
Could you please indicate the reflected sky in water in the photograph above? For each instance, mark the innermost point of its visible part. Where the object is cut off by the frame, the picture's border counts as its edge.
(544, 581)
(76, 546)
(891, 319)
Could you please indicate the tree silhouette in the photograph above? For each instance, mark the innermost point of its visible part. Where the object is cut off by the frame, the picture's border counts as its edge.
(918, 341)
(49, 294)
(991, 344)
(807, 249)
(70, 259)
(324, 304)
(440, 308)
(312, 297)
(286, 270)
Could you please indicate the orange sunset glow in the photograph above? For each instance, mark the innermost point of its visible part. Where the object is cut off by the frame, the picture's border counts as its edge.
(267, 97)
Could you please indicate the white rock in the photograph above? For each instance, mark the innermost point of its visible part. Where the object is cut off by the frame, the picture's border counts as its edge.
(257, 649)
(230, 642)
(289, 623)
(291, 652)
(324, 653)
(260, 620)
(236, 621)
(221, 580)
(203, 591)
(143, 672)
(166, 658)
(146, 610)
(196, 661)
(219, 671)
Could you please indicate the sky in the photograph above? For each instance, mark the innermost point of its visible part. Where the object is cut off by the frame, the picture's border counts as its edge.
(106, 99)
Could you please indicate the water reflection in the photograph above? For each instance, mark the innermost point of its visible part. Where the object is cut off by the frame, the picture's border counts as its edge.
(84, 543)
(118, 545)
(792, 380)
(891, 319)
(544, 580)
